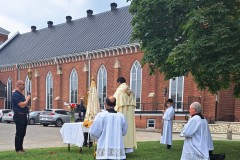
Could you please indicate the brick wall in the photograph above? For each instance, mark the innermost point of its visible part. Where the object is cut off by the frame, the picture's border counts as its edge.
(150, 84)
(3, 38)
(1, 103)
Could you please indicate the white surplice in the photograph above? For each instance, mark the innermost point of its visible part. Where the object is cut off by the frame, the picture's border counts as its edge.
(198, 139)
(166, 137)
(109, 128)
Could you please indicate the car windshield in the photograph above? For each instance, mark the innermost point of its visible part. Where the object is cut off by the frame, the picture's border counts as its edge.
(33, 113)
(46, 112)
(6, 111)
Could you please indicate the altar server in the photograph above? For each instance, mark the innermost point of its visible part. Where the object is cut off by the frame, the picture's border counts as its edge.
(198, 139)
(109, 127)
(167, 120)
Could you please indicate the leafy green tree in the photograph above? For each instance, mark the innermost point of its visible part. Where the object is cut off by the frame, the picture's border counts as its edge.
(201, 37)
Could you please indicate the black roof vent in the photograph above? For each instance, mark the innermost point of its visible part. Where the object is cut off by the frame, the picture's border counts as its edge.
(113, 6)
(50, 24)
(89, 13)
(33, 28)
(68, 19)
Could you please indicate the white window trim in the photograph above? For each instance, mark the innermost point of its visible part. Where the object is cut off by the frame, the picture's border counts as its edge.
(154, 120)
(170, 90)
(27, 83)
(49, 74)
(70, 86)
(133, 65)
(9, 90)
(98, 74)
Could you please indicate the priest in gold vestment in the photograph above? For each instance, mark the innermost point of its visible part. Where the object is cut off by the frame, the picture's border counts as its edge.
(126, 103)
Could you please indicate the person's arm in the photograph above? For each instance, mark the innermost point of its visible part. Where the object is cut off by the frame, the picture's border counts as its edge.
(96, 128)
(169, 114)
(190, 128)
(25, 103)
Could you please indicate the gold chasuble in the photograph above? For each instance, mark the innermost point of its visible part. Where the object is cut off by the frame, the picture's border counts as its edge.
(126, 103)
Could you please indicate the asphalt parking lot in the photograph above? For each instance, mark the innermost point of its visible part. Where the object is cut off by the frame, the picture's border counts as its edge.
(37, 136)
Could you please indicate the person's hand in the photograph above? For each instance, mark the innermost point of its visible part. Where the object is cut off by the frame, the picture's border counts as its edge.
(28, 98)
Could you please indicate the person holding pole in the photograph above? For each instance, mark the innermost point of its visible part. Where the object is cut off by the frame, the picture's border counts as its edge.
(167, 120)
(20, 110)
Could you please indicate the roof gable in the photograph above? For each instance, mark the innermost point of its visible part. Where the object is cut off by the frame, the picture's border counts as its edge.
(4, 31)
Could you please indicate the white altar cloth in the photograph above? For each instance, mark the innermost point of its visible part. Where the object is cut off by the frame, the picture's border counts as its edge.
(72, 133)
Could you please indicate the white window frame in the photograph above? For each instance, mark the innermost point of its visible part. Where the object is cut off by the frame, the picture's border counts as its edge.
(9, 92)
(49, 75)
(170, 93)
(154, 123)
(28, 83)
(101, 70)
(136, 65)
(73, 73)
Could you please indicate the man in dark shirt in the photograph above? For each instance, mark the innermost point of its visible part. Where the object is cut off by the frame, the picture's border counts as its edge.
(81, 110)
(20, 110)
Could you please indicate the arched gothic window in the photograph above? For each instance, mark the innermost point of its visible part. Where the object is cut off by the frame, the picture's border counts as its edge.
(28, 86)
(136, 82)
(73, 92)
(102, 85)
(49, 91)
(9, 93)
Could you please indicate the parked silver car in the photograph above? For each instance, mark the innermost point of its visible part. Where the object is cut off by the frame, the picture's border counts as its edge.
(4, 111)
(8, 117)
(34, 117)
(54, 116)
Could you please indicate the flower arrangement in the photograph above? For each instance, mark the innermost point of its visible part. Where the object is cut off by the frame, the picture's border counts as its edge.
(72, 107)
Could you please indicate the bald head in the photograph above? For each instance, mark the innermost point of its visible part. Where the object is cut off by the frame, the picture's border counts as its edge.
(19, 82)
(110, 101)
(20, 85)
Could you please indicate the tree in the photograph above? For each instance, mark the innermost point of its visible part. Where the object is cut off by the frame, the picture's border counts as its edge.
(200, 37)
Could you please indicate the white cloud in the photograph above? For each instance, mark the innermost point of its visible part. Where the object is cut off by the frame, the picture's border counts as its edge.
(20, 15)
(13, 25)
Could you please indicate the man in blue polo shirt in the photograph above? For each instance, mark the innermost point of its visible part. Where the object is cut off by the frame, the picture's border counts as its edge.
(20, 110)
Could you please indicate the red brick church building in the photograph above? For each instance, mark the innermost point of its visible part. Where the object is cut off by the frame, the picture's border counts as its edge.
(62, 59)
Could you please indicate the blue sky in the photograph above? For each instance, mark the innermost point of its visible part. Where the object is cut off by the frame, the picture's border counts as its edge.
(20, 15)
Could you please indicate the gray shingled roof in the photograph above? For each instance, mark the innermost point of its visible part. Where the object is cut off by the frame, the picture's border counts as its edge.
(107, 29)
(4, 31)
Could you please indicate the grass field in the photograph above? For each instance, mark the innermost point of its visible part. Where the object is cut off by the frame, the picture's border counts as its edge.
(146, 151)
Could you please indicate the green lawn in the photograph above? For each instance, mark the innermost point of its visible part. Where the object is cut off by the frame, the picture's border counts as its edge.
(146, 151)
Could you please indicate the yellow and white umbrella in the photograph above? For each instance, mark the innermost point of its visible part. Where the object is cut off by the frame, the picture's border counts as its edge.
(93, 105)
